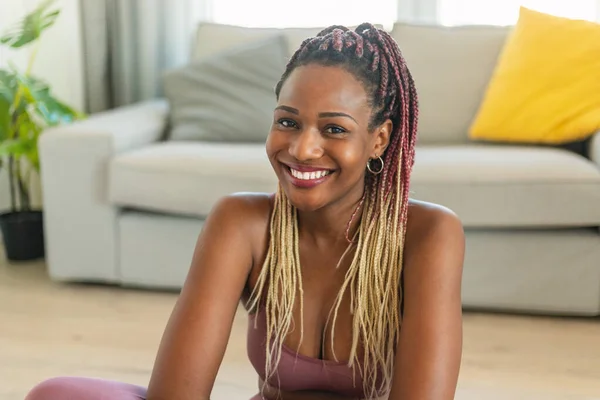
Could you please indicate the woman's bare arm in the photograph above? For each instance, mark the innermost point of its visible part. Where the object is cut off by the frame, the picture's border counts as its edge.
(430, 343)
(196, 336)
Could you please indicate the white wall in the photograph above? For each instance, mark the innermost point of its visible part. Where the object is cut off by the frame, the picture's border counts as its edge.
(59, 61)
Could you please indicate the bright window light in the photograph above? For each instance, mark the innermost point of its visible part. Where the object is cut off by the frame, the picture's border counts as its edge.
(306, 13)
(506, 12)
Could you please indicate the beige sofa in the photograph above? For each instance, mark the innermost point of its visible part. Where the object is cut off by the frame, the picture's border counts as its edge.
(124, 207)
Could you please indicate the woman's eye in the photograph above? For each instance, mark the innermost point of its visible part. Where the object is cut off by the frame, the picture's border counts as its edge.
(335, 130)
(287, 123)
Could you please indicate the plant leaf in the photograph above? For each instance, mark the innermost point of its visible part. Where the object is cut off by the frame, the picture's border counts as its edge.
(14, 147)
(31, 26)
(54, 111)
(29, 133)
(4, 118)
(8, 85)
(36, 94)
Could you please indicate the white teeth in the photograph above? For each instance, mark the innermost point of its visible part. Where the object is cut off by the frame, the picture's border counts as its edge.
(308, 175)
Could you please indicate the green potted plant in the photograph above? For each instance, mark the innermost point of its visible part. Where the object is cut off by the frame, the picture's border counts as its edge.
(27, 107)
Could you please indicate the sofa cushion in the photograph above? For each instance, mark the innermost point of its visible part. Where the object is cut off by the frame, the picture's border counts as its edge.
(188, 178)
(451, 67)
(560, 105)
(231, 36)
(509, 186)
(486, 185)
(229, 96)
(212, 38)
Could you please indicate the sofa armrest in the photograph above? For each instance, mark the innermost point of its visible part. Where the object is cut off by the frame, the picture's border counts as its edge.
(594, 151)
(80, 224)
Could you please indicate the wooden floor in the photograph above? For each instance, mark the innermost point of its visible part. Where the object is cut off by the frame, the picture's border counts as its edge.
(49, 329)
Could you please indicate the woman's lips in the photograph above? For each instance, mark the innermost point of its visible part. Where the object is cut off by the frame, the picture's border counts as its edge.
(304, 176)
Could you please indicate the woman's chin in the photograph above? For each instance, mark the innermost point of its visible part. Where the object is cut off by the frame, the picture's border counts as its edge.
(304, 201)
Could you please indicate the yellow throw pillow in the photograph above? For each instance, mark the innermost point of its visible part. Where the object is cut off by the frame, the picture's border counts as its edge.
(546, 85)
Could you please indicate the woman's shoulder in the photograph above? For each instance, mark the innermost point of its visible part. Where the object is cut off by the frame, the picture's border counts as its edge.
(247, 201)
(248, 212)
(423, 212)
(245, 208)
(427, 221)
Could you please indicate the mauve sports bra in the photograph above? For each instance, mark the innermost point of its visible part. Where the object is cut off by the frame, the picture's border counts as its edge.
(299, 372)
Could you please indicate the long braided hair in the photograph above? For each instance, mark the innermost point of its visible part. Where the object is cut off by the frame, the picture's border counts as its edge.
(374, 276)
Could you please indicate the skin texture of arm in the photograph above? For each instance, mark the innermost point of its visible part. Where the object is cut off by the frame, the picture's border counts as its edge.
(430, 344)
(196, 335)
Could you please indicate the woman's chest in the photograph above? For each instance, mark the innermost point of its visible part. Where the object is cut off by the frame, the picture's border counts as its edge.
(322, 322)
(296, 371)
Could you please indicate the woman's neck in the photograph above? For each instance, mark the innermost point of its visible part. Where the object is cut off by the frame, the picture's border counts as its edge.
(329, 226)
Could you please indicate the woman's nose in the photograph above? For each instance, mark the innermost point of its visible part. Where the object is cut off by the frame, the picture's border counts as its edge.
(306, 145)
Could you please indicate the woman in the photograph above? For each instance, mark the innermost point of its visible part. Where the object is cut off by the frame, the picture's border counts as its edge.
(353, 290)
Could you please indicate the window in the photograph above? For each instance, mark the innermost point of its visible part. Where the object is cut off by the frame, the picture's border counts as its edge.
(306, 13)
(506, 12)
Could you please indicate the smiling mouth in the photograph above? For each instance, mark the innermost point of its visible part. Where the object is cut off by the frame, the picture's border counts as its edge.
(307, 176)
(307, 179)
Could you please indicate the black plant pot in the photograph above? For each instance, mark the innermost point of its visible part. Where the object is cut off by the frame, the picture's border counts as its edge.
(23, 234)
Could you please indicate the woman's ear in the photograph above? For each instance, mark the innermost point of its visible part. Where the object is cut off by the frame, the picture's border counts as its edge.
(382, 138)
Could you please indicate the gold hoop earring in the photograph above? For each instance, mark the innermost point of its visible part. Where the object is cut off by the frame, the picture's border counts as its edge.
(375, 172)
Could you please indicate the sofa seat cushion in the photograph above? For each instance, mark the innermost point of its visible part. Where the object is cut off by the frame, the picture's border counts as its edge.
(486, 185)
(509, 186)
(188, 177)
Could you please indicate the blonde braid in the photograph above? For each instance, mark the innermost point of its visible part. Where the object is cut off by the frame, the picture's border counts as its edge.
(282, 276)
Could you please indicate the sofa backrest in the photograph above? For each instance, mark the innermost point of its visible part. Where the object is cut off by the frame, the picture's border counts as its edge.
(212, 38)
(451, 67)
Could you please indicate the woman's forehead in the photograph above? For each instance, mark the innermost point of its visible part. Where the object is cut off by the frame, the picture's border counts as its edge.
(317, 87)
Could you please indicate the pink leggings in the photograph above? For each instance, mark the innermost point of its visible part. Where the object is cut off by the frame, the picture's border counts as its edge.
(72, 388)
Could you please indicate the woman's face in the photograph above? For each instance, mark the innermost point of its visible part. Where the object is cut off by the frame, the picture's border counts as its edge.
(319, 143)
